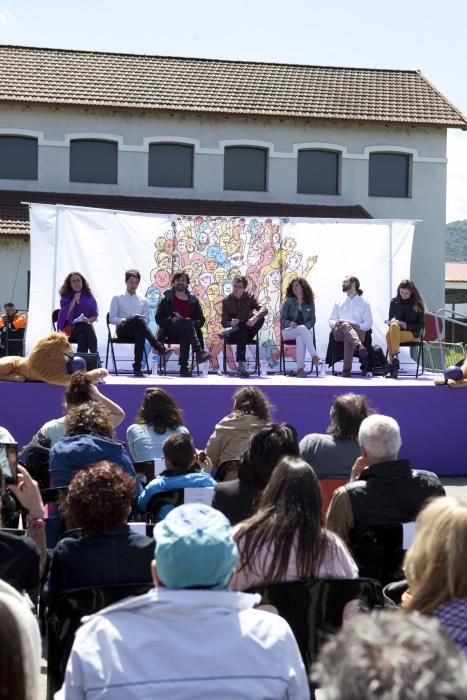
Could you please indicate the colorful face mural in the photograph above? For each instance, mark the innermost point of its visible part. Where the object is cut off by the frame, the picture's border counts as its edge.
(215, 250)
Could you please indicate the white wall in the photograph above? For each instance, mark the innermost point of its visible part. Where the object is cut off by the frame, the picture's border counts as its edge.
(209, 132)
(14, 267)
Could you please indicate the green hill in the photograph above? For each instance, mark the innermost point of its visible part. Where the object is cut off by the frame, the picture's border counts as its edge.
(456, 241)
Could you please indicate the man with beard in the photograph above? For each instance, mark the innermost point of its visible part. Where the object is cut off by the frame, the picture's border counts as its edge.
(180, 319)
(349, 322)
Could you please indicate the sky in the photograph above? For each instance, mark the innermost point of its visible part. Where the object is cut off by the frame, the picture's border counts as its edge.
(404, 34)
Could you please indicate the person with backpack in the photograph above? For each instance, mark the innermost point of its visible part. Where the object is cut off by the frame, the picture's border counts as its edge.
(406, 321)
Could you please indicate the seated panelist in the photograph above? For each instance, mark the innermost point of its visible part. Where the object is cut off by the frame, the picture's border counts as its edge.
(297, 321)
(406, 321)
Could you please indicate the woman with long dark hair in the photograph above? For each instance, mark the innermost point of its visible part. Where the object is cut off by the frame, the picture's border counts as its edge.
(78, 312)
(406, 321)
(297, 320)
(285, 539)
(157, 418)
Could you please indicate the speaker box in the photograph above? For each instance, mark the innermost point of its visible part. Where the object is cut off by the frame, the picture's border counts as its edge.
(92, 359)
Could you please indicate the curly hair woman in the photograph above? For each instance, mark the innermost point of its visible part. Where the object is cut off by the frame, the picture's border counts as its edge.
(157, 418)
(251, 411)
(77, 302)
(298, 319)
(99, 501)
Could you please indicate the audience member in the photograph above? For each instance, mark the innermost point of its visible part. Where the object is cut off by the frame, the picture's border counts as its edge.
(193, 639)
(88, 438)
(242, 318)
(20, 647)
(183, 470)
(158, 417)
(81, 390)
(130, 314)
(180, 319)
(23, 559)
(380, 656)
(350, 319)
(384, 489)
(333, 454)
(435, 567)
(285, 540)
(238, 499)
(99, 501)
(251, 411)
(78, 312)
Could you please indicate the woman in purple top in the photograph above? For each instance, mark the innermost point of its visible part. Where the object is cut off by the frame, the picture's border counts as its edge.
(78, 308)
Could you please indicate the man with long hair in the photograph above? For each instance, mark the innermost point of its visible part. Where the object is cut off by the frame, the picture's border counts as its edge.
(180, 319)
(350, 319)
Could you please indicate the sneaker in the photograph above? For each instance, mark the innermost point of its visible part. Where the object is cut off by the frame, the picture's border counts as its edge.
(137, 372)
(301, 373)
(202, 356)
(346, 373)
(185, 372)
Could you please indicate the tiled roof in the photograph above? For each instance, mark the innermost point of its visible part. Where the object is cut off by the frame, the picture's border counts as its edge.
(14, 217)
(56, 76)
(455, 272)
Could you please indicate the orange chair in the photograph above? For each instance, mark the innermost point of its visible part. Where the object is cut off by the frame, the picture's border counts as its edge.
(328, 486)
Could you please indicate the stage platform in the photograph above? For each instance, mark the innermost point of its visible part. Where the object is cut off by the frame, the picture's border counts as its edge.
(432, 418)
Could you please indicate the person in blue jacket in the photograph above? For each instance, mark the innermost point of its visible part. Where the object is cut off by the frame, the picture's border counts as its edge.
(88, 438)
(183, 470)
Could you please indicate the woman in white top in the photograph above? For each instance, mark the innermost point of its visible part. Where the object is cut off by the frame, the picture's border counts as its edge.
(285, 540)
(158, 417)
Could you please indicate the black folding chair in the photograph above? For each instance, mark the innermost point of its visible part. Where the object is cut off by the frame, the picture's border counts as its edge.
(292, 343)
(114, 340)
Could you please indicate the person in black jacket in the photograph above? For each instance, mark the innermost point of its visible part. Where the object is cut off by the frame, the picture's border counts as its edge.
(180, 319)
(406, 321)
(383, 490)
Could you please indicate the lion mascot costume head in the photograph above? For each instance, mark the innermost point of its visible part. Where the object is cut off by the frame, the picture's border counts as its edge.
(49, 361)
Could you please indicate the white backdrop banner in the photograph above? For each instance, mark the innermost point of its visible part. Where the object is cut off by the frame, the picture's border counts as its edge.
(102, 244)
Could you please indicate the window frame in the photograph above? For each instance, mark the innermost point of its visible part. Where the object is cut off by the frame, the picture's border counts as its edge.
(408, 159)
(93, 139)
(172, 144)
(35, 165)
(338, 156)
(251, 148)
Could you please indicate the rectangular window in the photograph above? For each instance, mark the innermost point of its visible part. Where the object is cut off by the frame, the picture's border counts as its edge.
(389, 175)
(18, 158)
(318, 172)
(92, 160)
(245, 169)
(170, 165)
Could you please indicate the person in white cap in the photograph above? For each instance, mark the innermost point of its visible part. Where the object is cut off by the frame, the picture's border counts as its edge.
(189, 637)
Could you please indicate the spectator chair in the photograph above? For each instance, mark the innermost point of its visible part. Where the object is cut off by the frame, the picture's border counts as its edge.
(293, 344)
(64, 618)
(254, 342)
(173, 499)
(314, 607)
(113, 340)
(335, 351)
(328, 486)
(379, 553)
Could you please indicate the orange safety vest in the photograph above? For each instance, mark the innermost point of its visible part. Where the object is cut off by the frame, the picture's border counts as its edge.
(18, 321)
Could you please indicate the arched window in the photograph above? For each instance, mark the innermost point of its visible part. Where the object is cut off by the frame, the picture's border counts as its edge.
(245, 168)
(170, 165)
(18, 157)
(389, 175)
(318, 172)
(93, 160)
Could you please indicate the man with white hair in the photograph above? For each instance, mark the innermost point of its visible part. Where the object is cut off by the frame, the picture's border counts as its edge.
(383, 490)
